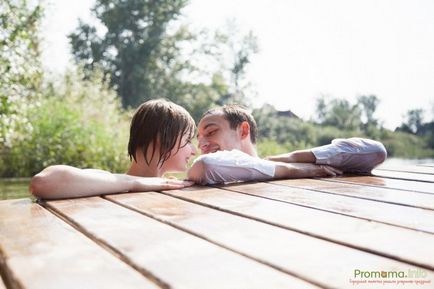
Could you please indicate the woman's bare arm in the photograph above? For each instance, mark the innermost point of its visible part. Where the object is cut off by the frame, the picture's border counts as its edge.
(63, 181)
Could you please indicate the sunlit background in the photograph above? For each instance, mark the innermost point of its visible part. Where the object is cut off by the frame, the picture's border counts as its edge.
(346, 68)
(310, 48)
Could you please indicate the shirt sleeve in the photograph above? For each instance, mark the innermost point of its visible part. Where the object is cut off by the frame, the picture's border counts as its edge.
(234, 166)
(352, 155)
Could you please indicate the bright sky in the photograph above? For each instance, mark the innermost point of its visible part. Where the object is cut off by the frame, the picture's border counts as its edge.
(308, 48)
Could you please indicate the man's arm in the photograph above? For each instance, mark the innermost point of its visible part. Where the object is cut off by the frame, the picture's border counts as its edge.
(355, 155)
(62, 181)
(235, 166)
(304, 170)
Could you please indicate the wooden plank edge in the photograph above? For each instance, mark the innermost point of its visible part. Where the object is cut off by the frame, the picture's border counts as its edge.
(314, 235)
(9, 279)
(409, 178)
(403, 170)
(351, 196)
(263, 262)
(110, 249)
(334, 212)
(410, 168)
(342, 180)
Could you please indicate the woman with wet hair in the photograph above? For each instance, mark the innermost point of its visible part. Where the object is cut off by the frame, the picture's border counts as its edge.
(160, 142)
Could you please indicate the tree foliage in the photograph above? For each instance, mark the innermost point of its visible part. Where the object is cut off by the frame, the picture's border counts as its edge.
(339, 113)
(414, 124)
(148, 54)
(341, 119)
(132, 49)
(239, 50)
(368, 105)
(342, 114)
(292, 132)
(20, 68)
(77, 122)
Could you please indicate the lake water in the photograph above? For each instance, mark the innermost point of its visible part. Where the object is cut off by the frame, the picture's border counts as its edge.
(14, 188)
(19, 187)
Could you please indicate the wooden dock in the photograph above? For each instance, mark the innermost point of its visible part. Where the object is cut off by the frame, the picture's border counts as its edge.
(347, 232)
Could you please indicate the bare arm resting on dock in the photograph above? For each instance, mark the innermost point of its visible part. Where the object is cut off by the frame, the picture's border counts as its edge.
(63, 181)
(354, 155)
(235, 166)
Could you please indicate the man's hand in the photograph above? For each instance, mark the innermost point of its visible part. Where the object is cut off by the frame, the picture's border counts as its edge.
(304, 170)
(158, 184)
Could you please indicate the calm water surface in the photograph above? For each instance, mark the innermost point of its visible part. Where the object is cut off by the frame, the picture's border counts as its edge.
(14, 188)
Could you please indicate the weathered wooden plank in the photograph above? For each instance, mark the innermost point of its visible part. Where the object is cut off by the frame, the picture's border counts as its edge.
(403, 175)
(407, 168)
(415, 218)
(293, 252)
(402, 244)
(41, 251)
(383, 194)
(406, 185)
(177, 258)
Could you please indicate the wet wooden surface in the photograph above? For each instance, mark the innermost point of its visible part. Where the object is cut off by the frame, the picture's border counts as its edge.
(305, 233)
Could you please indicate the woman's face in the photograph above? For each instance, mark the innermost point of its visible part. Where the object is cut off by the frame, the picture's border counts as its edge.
(179, 158)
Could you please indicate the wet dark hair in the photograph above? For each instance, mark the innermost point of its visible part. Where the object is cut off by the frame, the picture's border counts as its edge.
(236, 114)
(159, 122)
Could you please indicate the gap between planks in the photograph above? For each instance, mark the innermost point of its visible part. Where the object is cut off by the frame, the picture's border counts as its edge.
(396, 184)
(358, 215)
(356, 195)
(193, 217)
(266, 263)
(306, 232)
(116, 253)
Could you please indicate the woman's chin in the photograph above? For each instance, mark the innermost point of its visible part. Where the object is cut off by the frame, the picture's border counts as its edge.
(179, 169)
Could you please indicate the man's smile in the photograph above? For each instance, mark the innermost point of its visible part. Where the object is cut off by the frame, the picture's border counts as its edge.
(210, 149)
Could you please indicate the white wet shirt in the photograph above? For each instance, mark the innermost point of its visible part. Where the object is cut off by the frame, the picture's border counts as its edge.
(353, 155)
(234, 166)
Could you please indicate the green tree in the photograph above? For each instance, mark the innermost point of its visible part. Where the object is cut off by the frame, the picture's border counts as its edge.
(369, 104)
(321, 109)
(339, 113)
(235, 53)
(132, 46)
(20, 69)
(413, 122)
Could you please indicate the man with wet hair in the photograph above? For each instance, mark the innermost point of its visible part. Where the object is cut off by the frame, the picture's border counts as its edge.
(227, 140)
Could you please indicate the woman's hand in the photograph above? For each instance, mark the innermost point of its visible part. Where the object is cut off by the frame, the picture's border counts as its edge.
(142, 184)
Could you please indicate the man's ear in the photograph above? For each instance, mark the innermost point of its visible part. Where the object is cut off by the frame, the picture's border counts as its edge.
(245, 129)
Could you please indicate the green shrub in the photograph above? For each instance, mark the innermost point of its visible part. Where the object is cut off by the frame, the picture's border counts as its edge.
(405, 145)
(268, 147)
(77, 122)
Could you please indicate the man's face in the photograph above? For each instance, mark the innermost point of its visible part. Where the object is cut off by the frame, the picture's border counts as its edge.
(215, 133)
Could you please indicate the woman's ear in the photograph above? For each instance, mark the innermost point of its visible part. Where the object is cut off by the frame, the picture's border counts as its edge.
(245, 130)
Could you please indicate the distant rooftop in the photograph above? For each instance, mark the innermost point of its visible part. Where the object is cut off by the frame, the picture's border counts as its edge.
(287, 113)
